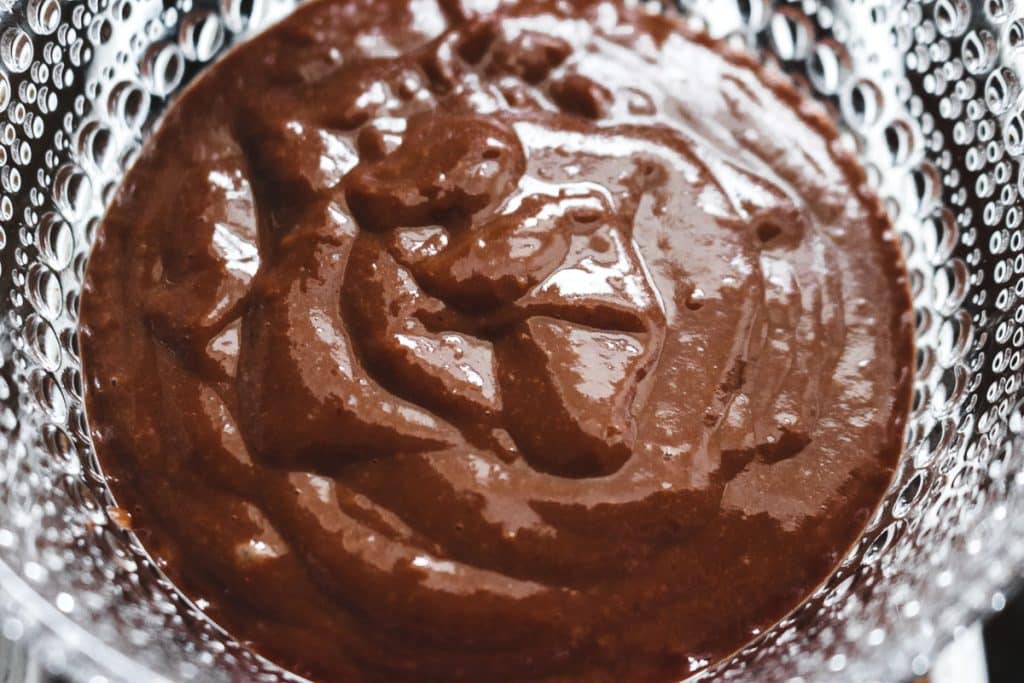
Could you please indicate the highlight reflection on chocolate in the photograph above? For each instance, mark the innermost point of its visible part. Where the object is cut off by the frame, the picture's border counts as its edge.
(547, 341)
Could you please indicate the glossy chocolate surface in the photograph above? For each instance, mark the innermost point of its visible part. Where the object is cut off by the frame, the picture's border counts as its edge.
(546, 341)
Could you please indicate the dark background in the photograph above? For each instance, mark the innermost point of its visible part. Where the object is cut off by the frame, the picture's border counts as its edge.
(1004, 644)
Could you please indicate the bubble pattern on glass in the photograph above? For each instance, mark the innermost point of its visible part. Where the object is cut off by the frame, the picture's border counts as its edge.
(929, 95)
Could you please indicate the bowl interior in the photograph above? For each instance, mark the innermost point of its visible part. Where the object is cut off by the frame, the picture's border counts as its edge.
(928, 94)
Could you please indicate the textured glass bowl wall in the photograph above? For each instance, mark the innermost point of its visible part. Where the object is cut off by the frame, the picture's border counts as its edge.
(929, 95)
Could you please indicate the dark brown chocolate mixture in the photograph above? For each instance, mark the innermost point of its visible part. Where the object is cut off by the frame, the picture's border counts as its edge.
(545, 342)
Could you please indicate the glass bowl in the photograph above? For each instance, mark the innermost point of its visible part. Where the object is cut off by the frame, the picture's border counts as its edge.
(928, 93)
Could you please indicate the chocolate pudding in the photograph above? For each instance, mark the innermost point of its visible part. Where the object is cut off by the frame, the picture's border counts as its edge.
(534, 341)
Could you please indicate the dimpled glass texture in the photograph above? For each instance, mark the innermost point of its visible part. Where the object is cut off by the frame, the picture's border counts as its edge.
(929, 95)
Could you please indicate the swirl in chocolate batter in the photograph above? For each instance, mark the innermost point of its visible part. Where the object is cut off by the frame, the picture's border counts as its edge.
(545, 341)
